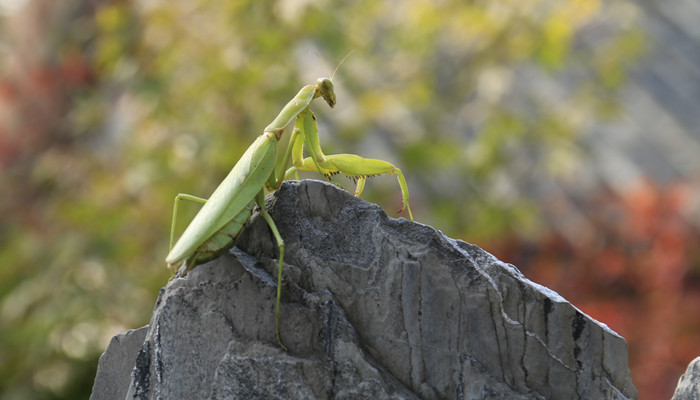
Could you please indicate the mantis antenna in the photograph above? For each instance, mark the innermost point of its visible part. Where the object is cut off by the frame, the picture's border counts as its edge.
(336, 68)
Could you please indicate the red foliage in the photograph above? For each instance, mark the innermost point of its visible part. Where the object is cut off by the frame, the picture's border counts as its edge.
(34, 103)
(639, 273)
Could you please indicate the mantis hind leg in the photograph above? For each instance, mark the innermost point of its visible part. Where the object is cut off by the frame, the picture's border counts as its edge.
(260, 200)
(181, 196)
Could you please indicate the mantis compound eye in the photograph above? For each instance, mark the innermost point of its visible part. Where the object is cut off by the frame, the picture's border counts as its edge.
(325, 89)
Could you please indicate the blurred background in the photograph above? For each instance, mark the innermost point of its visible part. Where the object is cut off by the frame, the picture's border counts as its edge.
(561, 136)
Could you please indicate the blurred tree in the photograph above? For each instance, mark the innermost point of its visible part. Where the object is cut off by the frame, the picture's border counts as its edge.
(124, 104)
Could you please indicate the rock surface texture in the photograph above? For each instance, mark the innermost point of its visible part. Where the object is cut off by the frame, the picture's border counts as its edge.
(689, 384)
(373, 307)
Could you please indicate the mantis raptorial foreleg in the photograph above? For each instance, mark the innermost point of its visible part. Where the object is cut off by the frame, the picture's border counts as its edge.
(360, 186)
(352, 165)
(358, 168)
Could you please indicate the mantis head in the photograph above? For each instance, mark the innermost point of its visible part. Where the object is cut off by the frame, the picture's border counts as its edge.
(324, 88)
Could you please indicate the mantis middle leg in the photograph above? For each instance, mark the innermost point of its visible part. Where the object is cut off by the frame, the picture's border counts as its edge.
(260, 200)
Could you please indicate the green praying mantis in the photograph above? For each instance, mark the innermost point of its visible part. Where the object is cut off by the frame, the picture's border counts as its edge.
(224, 215)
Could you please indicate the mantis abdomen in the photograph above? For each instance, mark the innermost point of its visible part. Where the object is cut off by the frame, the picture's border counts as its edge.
(223, 239)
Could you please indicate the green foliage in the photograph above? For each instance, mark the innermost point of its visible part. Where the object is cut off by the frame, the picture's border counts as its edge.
(179, 90)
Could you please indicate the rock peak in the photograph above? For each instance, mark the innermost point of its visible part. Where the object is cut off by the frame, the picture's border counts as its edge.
(373, 307)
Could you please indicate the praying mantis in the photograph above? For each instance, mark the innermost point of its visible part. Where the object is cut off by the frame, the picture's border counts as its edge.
(223, 216)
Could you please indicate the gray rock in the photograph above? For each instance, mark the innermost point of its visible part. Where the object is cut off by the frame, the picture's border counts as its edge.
(689, 384)
(372, 307)
(115, 365)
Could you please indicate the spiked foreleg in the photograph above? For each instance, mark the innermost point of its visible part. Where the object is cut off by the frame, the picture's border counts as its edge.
(357, 167)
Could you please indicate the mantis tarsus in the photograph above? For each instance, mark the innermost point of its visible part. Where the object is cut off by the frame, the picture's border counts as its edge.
(225, 214)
